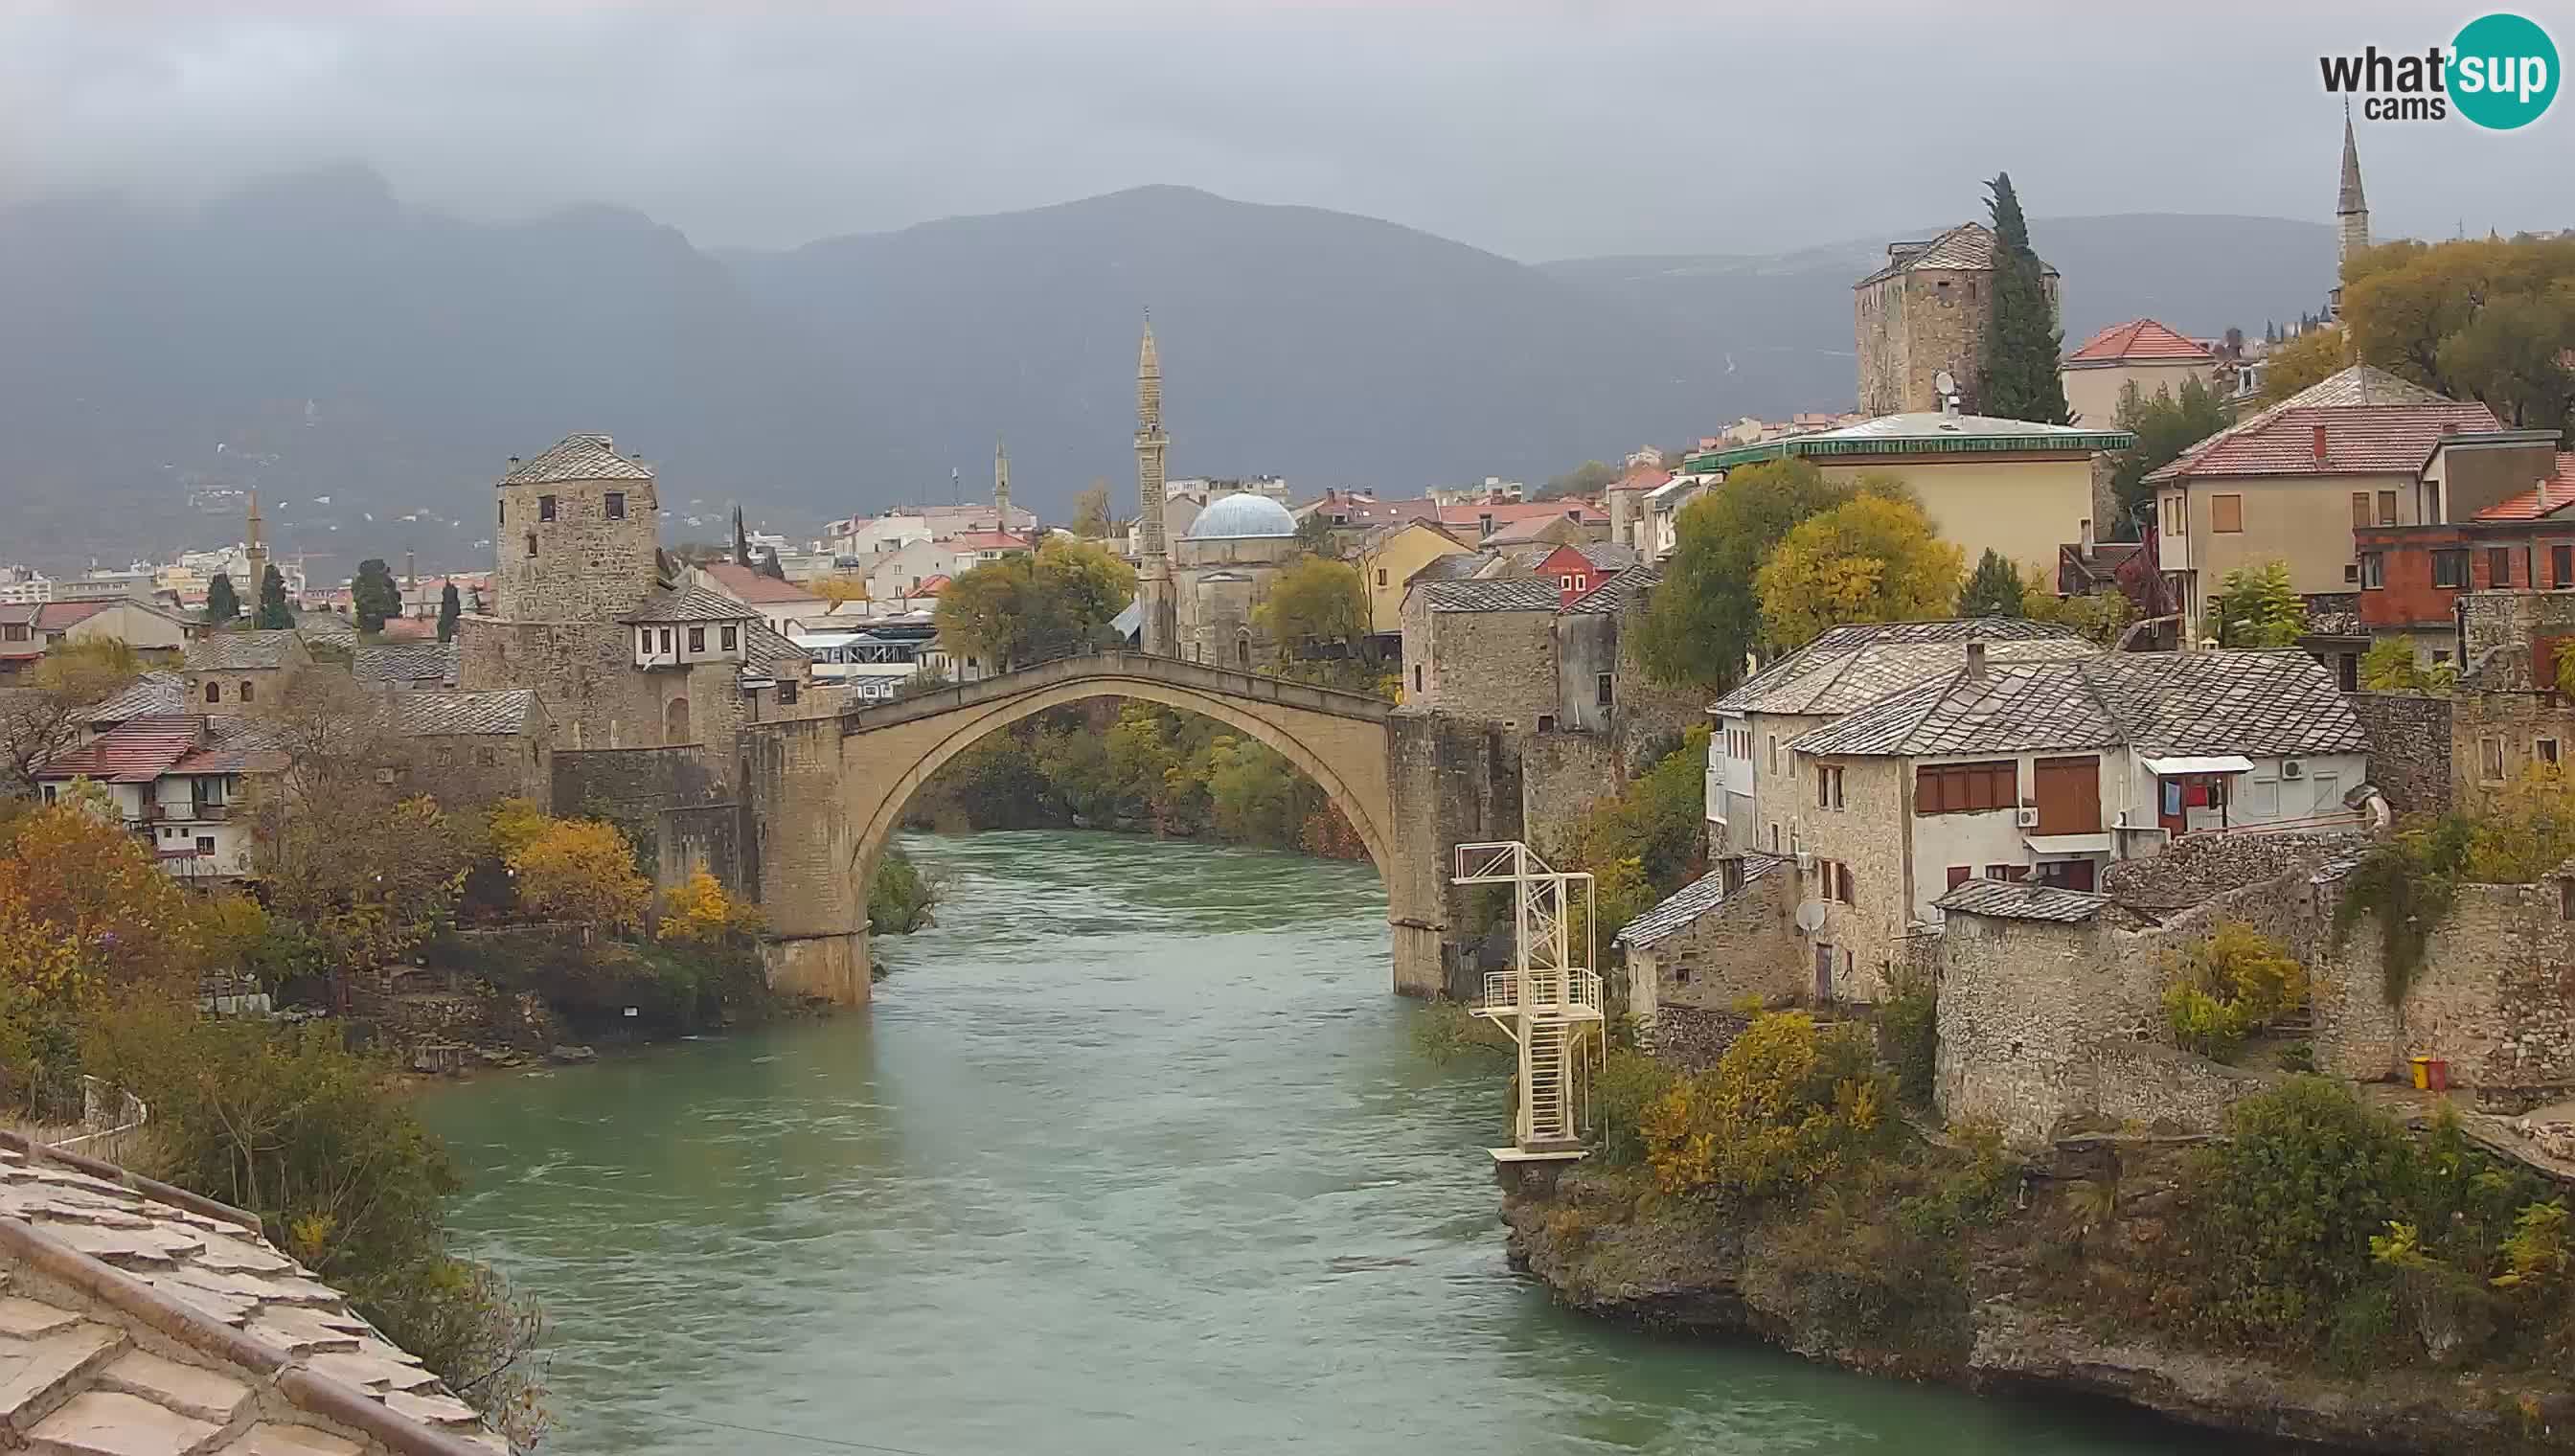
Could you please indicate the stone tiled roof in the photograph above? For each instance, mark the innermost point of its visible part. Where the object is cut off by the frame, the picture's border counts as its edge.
(1609, 556)
(578, 458)
(142, 1319)
(689, 604)
(1619, 592)
(2267, 704)
(1514, 560)
(1966, 246)
(2022, 901)
(1457, 566)
(234, 651)
(152, 692)
(427, 662)
(1691, 902)
(2138, 339)
(438, 713)
(769, 654)
(1850, 668)
(325, 627)
(2373, 421)
(1495, 594)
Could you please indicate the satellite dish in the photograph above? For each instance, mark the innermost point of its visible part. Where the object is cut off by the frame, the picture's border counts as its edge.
(1811, 917)
(1945, 382)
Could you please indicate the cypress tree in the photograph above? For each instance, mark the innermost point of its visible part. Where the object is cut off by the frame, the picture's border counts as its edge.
(1994, 589)
(222, 603)
(2022, 343)
(274, 615)
(448, 608)
(372, 596)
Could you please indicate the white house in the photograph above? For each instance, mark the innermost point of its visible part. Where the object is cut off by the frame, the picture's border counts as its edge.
(175, 779)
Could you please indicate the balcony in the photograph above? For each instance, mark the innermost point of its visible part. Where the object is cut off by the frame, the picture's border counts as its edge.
(1571, 994)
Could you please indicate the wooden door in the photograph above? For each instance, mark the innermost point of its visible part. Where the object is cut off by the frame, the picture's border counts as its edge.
(2069, 796)
(1823, 974)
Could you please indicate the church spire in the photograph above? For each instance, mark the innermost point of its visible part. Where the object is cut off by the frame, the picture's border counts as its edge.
(2351, 207)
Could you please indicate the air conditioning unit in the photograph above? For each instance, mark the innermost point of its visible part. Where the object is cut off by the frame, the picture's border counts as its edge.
(2292, 769)
(2027, 819)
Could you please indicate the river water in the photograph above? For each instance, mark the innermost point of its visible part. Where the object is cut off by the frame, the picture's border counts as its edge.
(1132, 1155)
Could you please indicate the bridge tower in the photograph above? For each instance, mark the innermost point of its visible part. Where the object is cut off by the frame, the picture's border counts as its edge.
(1548, 1000)
(1158, 633)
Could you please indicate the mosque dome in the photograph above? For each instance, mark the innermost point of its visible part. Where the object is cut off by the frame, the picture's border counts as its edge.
(1243, 516)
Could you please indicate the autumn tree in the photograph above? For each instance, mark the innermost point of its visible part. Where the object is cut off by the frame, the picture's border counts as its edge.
(1315, 535)
(2023, 341)
(2310, 359)
(223, 604)
(2390, 665)
(48, 714)
(1995, 590)
(450, 609)
(2165, 424)
(1588, 479)
(2484, 319)
(700, 912)
(837, 589)
(2259, 608)
(1703, 618)
(1871, 558)
(1020, 608)
(581, 871)
(373, 595)
(2100, 618)
(1317, 613)
(1091, 514)
(274, 613)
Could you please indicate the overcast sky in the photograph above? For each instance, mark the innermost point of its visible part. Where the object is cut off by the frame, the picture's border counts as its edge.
(1535, 129)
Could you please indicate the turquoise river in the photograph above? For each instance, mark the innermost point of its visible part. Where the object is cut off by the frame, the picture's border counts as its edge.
(1134, 1154)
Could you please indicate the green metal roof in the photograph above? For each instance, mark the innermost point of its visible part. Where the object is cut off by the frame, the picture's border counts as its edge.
(1919, 433)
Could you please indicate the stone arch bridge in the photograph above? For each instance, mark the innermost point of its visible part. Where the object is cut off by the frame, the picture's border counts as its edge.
(822, 794)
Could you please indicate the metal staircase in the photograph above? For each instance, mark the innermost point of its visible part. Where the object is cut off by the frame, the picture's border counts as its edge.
(1549, 1000)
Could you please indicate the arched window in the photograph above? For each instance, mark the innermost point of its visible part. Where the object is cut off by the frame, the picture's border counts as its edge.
(245, 694)
(674, 721)
(213, 692)
(1243, 651)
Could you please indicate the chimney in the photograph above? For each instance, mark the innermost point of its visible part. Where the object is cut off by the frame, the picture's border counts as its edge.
(1976, 659)
(2087, 538)
(2320, 442)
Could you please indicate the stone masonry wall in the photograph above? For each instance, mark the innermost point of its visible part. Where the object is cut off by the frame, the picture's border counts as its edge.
(584, 672)
(1561, 773)
(2495, 998)
(2496, 737)
(1744, 947)
(1452, 783)
(1498, 667)
(2409, 747)
(2497, 629)
(586, 567)
(643, 781)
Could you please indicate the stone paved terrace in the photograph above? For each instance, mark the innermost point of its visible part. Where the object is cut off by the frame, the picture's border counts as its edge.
(140, 1320)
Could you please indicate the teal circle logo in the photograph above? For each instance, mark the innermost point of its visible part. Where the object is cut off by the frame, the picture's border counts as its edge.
(2503, 71)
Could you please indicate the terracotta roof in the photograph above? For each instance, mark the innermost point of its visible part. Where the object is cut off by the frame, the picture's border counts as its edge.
(1506, 512)
(989, 540)
(1691, 902)
(689, 604)
(1529, 529)
(930, 585)
(1642, 478)
(1493, 593)
(2548, 498)
(233, 745)
(744, 584)
(2138, 339)
(19, 612)
(2257, 704)
(239, 652)
(1851, 667)
(56, 615)
(430, 662)
(438, 713)
(147, 1319)
(2373, 421)
(2022, 901)
(152, 692)
(137, 750)
(578, 458)
(1966, 246)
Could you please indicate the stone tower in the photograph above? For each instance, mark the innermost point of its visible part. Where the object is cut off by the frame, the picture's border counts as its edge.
(1000, 485)
(2351, 209)
(254, 557)
(576, 535)
(1158, 630)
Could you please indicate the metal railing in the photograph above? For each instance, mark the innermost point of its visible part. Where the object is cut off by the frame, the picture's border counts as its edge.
(1546, 988)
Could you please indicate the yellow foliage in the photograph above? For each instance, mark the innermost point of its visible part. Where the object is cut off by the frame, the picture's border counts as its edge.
(699, 913)
(2525, 830)
(837, 589)
(1871, 558)
(583, 871)
(513, 823)
(1779, 1111)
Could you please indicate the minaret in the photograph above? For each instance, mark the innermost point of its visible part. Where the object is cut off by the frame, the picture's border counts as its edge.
(2351, 210)
(1000, 485)
(1158, 630)
(253, 556)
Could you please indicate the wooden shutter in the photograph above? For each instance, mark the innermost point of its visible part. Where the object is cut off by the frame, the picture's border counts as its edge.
(2068, 791)
(2226, 513)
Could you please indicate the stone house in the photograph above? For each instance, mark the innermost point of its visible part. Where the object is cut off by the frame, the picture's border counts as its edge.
(476, 748)
(1924, 312)
(231, 672)
(1727, 935)
(2140, 352)
(2008, 486)
(2051, 772)
(1843, 671)
(1580, 568)
(1483, 649)
(1388, 557)
(398, 666)
(2280, 486)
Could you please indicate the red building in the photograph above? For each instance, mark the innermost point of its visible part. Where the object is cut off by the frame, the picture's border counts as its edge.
(2411, 576)
(1580, 567)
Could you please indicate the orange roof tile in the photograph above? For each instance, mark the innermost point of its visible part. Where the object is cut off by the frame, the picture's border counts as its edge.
(2548, 498)
(2138, 339)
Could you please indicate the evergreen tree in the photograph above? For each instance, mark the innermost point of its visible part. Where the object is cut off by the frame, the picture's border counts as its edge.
(373, 595)
(274, 615)
(2023, 341)
(222, 603)
(1993, 591)
(448, 608)
(771, 568)
(741, 540)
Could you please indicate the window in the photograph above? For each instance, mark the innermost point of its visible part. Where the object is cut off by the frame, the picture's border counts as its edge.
(731, 637)
(697, 639)
(616, 504)
(1950, 789)
(245, 694)
(205, 843)
(2490, 760)
(1416, 677)
(2450, 569)
(1774, 753)
(2226, 513)
(1774, 838)
(2545, 750)
(1828, 785)
(1833, 881)
(1380, 576)
(1604, 690)
(2373, 571)
(2351, 573)
(502, 517)
(2361, 515)
(2498, 566)
(532, 542)
(2387, 507)
(545, 507)
(214, 693)
(2169, 508)
(788, 691)
(2006, 871)
(50, 793)
(643, 639)
(666, 639)
(1546, 723)
(1565, 583)
(2561, 567)
(1960, 873)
